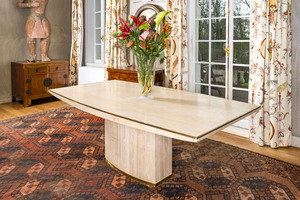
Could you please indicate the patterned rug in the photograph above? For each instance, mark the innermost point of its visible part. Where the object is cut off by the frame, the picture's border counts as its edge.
(59, 154)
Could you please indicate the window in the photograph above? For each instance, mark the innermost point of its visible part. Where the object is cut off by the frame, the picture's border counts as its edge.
(95, 32)
(217, 26)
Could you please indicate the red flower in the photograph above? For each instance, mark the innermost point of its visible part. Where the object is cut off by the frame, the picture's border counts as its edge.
(137, 22)
(124, 28)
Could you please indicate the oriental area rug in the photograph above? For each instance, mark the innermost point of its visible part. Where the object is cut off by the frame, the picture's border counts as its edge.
(59, 154)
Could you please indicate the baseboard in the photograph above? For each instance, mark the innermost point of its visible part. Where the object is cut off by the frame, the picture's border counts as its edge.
(237, 131)
(296, 141)
(5, 100)
(244, 133)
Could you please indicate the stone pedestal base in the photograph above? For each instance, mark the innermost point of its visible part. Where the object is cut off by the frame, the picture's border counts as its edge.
(142, 155)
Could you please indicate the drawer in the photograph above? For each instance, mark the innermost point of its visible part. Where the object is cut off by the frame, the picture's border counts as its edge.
(59, 67)
(114, 76)
(128, 77)
(37, 70)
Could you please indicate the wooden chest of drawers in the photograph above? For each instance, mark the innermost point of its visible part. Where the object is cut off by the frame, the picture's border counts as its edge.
(130, 74)
(33, 80)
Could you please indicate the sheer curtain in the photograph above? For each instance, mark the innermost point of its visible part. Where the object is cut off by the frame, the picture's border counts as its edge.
(270, 72)
(77, 41)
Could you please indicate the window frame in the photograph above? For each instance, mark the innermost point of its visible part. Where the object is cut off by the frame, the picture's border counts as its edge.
(90, 33)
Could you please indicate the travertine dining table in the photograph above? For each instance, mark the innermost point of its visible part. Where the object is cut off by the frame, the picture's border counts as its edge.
(139, 132)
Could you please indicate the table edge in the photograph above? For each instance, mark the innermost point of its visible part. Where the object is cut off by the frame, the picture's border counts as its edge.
(185, 136)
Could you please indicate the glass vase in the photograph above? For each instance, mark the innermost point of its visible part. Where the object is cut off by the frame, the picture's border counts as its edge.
(146, 74)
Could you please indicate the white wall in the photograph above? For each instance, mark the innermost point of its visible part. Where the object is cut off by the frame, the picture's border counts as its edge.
(90, 74)
(135, 4)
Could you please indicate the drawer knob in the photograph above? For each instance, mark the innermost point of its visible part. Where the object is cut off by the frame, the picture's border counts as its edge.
(56, 68)
(28, 80)
(65, 75)
(47, 82)
(37, 69)
(28, 91)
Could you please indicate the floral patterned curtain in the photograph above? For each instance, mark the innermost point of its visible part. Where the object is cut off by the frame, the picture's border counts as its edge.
(270, 72)
(77, 40)
(177, 52)
(114, 56)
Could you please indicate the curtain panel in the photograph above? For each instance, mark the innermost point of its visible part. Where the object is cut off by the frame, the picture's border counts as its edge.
(114, 56)
(77, 40)
(270, 72)
(177, 50)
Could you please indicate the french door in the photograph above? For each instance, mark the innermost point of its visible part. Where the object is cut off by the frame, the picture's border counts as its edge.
(219, 58)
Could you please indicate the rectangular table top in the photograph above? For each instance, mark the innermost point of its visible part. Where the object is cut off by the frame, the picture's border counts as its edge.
(178, 114)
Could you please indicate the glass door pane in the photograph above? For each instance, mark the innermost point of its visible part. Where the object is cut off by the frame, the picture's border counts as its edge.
(202, 27)
(218, 75)
(218, 29)
(97, 5)
(241, 7)
(218, 8)
(240, 77)
(218, 53)
(241, 28)
(202, 8)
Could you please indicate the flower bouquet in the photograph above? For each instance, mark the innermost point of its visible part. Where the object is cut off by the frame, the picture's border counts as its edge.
(147, 44)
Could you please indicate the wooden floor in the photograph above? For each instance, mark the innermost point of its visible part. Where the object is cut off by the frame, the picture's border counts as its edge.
(288, 154)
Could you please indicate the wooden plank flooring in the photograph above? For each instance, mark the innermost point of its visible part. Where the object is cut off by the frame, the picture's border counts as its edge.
(16, 109)
(287, 154)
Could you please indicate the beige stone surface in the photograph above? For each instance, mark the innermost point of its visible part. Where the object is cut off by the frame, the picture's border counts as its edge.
(172, 113)
(145, 156)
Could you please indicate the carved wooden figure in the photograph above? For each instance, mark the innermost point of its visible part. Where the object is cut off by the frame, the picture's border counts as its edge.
(37, 26)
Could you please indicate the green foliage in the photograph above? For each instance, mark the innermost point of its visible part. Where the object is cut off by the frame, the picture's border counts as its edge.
(145, 26)
(159, 17)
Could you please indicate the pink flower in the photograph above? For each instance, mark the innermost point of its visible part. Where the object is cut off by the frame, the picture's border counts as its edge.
(145, 35)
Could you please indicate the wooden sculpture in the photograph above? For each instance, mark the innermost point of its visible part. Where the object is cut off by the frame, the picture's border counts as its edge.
(37, 26)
